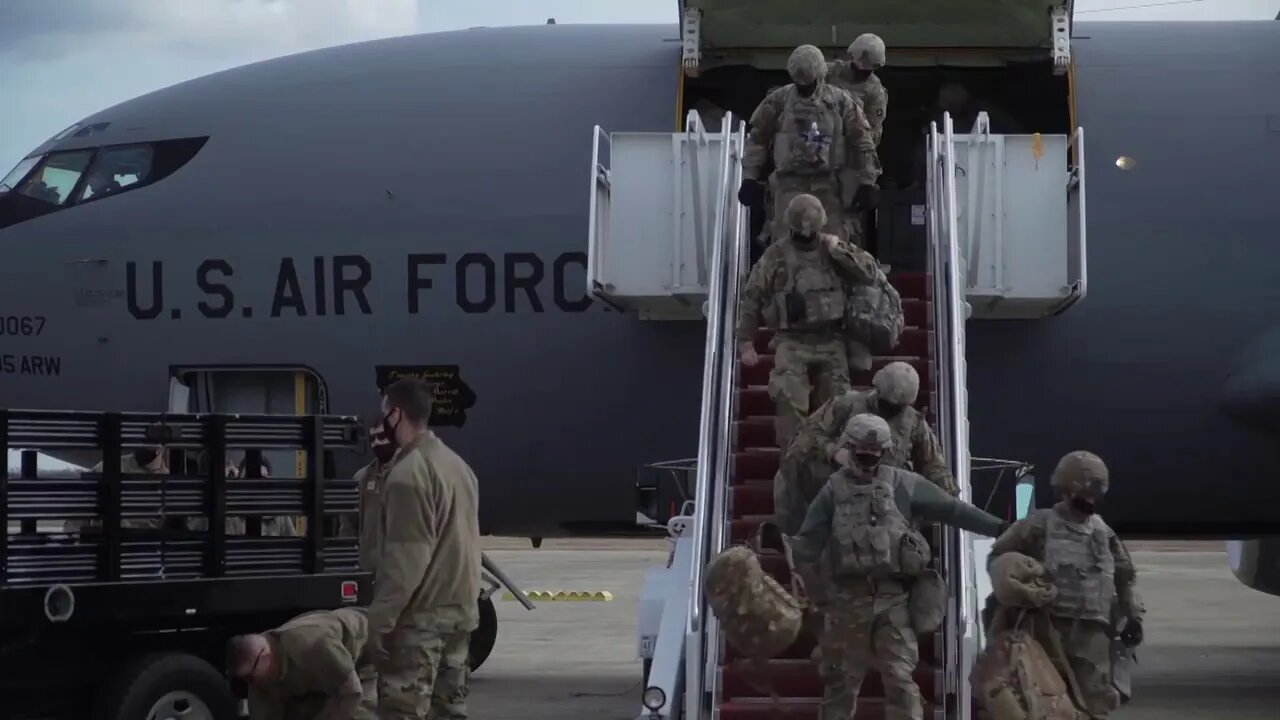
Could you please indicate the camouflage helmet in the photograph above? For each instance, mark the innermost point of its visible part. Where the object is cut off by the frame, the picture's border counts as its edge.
(805, 215)
(897, 383)
(806, 65)
(1078, 471)
(866, 431)
(866, 52)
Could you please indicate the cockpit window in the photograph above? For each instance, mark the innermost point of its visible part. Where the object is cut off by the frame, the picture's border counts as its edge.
(62, 180)
(54, 180)
(115, 169)
(18, 172)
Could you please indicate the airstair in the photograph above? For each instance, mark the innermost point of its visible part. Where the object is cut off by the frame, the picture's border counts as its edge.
(683, 254)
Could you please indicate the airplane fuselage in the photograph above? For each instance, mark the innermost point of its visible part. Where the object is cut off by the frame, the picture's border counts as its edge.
(389, 207)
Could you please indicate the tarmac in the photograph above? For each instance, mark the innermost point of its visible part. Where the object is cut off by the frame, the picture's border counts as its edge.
(1212, 648)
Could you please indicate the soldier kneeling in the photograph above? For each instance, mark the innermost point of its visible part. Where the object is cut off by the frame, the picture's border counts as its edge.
(306, 669)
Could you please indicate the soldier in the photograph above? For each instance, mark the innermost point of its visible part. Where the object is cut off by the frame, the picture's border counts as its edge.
(808, 124)
(860, 524)
(857, 75)
(142, 461)
(1091, 569)
(304, 669)
(798, 289)
(816, 452)
(369, 480)
(428, 568)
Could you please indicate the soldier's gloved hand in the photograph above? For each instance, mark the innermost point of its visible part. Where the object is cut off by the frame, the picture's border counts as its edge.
(751, 193)
(749, 355)
(841, 457)
(1131, 635)
(866, 198)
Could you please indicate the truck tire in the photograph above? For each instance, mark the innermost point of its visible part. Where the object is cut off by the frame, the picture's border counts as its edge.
(159, 686)
(485, 636)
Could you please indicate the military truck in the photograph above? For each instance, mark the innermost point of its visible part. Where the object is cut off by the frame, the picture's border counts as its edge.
(119, 589)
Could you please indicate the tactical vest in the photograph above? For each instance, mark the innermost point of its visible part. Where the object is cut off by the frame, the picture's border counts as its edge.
(870, 537)
(810, 138)
(1079, 559)
(813, 296)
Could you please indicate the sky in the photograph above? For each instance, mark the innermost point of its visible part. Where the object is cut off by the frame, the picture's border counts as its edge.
(61, 60)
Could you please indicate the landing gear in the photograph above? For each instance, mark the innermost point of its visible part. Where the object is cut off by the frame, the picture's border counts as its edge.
(485, 635)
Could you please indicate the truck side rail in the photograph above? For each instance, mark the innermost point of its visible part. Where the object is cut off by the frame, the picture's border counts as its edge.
(106, 539)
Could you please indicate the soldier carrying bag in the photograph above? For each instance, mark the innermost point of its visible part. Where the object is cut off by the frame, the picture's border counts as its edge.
(1016, 676)
(759, 617)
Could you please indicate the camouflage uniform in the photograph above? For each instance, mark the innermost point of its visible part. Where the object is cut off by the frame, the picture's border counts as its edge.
(857, 77)
(1092, 571)
(428, 580)
(865, 592)
(129, 465)
(318, 653)
(798, 290)
(811, 139)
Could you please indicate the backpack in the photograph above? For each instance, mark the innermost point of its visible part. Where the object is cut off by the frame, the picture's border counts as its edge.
(759, 617)
(874, 314)
(1014, 679)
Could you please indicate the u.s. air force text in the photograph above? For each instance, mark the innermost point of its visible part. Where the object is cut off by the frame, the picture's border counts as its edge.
(339, 285)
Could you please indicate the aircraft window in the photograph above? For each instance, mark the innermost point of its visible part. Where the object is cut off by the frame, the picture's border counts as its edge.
(17, 173)
(54, 180)
(115, 169)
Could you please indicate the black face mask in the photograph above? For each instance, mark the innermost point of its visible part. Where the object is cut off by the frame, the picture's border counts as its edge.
(866, 461)
(389, 430)
(806, 90)
(889, 411)
(859, 74)
(1084, 505)
(804, 241)
(384, 452)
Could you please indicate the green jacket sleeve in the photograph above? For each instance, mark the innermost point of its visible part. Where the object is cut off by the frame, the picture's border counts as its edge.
(815, 530)
(929, 502)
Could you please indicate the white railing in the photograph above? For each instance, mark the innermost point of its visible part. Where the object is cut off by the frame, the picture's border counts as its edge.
(949, 315)
(727, 269)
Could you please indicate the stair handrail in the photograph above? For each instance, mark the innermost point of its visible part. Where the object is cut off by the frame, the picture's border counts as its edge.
(949, 314)
(715, 421)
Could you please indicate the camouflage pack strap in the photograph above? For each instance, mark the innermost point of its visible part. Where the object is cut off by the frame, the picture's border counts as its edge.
(768, 535)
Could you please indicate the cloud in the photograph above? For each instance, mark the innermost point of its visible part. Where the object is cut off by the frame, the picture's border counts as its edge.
(70, 58)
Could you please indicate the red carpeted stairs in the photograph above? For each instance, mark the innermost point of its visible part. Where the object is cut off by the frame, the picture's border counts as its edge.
(794, 677)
